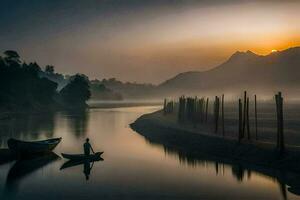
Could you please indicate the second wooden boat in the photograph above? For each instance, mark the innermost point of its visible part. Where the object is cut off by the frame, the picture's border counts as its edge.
(32, 147)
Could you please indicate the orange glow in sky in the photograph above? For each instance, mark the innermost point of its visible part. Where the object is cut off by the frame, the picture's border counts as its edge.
(158, 40)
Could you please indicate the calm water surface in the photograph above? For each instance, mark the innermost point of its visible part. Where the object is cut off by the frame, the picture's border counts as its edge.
(132, 168)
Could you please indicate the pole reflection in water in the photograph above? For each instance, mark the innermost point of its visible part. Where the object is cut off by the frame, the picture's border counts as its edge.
(238, 168)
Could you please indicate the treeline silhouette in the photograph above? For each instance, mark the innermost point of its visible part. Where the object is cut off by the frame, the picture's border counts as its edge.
(101, 92)
(27, 86)
(127, 90)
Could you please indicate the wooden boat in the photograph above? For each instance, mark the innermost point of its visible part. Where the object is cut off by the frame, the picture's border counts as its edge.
(82, 156)
(32, 147)
(73, 163)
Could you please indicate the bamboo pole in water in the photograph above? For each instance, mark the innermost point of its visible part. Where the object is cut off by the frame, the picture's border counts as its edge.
(282, 146)
(203, 110)
(200, 109)
(240, 120)
(181, 108)
(244, 114)
(280, 134)
(223, 125)
(255, 115)
(248, 123)
(206, 109)
(215, 111)
(217, 108)
(165, 106)
(277, 116)
(218, 113)
(194, 111)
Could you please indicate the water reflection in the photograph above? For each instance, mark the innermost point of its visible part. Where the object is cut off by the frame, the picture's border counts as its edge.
(33, 127)
(239, 172)
(6, 156)
(27, 127)
(242, 171)
(42, 126)
(23, 168)
(133, 168)
(87, 165)
(78, 121)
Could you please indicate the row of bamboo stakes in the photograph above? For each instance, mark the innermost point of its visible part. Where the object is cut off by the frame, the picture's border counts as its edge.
(168, 107)
(195, 110)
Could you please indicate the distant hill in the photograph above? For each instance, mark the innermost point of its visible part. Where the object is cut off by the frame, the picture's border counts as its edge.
(101, 92)
(243, 70)
(129, 90)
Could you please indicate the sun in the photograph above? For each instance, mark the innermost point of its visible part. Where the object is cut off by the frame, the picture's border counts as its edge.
(274, 50)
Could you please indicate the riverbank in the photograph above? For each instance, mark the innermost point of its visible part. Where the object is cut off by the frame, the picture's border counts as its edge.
(122, 103)
(9, 114)
(19, 112)
(159, 129)
(6, 114)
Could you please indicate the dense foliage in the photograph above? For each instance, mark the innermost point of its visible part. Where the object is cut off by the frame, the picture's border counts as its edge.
(128, 90)
(77, 91)
(101, 92)
(27, 86)
(20, 84)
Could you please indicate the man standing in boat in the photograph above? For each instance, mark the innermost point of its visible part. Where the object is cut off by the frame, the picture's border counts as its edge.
(87, 147)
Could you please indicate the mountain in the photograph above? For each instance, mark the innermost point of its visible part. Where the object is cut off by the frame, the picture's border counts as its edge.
(243, 71)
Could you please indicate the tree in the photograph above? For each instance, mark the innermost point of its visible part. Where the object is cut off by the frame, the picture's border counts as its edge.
(77, 91)
(11, 56)
(49, 69)
(26, 86)
(21, 86)
(45, 90)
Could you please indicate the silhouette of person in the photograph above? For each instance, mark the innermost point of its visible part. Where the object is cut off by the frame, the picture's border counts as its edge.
(87, 169)
(87, 147)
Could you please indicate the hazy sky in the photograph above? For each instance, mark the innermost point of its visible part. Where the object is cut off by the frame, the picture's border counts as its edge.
(144, 40)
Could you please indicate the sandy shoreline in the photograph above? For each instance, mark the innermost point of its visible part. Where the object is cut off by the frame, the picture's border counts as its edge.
(171, 135)
(193, 147)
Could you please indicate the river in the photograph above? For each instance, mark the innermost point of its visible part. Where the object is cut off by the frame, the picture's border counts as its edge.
(132, 167)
